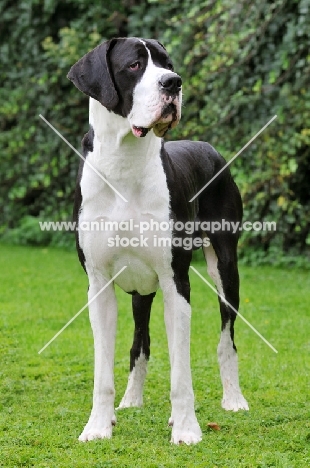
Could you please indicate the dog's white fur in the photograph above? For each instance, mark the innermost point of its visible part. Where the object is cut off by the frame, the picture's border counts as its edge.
(134, 392)
(144, 186)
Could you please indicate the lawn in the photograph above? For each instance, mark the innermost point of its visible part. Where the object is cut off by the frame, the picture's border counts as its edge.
(45, 399)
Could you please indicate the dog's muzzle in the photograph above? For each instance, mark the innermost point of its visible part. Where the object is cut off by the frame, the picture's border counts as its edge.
(169, 113)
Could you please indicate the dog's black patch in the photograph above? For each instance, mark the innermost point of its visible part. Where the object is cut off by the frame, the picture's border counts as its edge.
(87, 146)
(124, 54)
(88, 141)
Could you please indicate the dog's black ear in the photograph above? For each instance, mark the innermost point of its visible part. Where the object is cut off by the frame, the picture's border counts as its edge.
(91, 75)
(162, 45)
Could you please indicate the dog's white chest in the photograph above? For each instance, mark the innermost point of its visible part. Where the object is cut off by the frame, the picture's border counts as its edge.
(114, 233)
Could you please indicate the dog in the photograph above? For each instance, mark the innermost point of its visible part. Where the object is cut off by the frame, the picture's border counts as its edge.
(135, 98)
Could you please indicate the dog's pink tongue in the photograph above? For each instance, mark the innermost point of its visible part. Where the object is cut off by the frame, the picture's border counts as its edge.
(139, 131)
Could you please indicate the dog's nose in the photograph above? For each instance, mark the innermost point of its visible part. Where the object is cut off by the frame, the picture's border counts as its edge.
(171, 82)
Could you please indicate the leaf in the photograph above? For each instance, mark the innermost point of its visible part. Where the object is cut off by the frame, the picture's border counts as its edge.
(214, 426)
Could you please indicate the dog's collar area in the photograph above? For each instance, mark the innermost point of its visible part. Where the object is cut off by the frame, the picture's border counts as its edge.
(140, 132)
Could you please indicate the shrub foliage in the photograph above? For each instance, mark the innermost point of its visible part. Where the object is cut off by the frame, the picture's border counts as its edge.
(241, 62)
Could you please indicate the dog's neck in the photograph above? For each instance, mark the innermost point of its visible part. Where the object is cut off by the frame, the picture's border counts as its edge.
(116, 149)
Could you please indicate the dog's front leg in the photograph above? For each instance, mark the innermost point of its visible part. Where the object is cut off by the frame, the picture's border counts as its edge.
(177, 319)
(103, 317)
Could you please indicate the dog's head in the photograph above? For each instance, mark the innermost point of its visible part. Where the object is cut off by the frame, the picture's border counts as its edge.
(133, 78)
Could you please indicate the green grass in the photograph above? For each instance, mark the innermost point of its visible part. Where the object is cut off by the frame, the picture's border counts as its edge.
(46, 399)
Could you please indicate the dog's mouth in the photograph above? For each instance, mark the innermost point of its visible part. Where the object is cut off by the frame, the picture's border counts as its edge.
(168, 116)
(140, 132)
(169, 119)
(160, 129)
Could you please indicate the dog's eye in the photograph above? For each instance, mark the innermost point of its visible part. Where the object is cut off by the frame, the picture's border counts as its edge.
(135, 66)
(170, 66)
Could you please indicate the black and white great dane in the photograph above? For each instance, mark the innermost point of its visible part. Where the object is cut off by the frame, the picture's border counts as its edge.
(135, 97)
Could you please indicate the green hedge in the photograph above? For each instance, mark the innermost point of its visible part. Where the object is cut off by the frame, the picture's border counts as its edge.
(241, 63)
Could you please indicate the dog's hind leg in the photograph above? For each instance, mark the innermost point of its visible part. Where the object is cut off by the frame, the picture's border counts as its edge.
(222, 268)
(140, 351)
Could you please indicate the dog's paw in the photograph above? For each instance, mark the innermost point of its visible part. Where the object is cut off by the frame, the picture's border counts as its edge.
(186, 436)
(131, 399)
(235, 402)
(96, 433)
(188, 432)
(97, 429)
